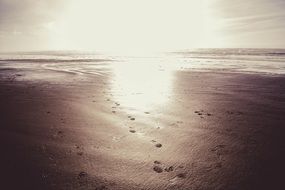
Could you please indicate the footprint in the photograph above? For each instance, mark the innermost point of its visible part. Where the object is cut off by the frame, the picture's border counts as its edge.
(62, 120)
(158, 145)
(182, 175)
(60, 132)
(169, 169)
(201, 113)
(132, 131)
(82, 175)
(177, 179)
(157, 162)
(146, 112)
(80, 153)
(113, 111)
(157, 169)
(132, 118)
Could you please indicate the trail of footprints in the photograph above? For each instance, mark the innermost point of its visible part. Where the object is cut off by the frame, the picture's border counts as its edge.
(158, 166)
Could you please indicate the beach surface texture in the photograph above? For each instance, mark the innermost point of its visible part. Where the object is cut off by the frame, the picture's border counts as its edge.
(207, 119)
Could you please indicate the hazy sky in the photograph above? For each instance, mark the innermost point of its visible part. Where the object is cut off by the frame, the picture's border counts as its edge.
(125, 25)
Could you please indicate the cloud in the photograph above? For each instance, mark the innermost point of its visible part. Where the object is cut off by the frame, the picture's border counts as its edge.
(248, 23)
(27, 14)
(22, 23)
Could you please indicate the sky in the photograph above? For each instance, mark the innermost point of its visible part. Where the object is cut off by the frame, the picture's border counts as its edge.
(129, 25)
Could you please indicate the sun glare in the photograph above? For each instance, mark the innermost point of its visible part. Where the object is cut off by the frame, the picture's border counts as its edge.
(141, 84)
(130, 25)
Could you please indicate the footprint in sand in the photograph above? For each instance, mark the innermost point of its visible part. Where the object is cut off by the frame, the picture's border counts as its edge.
(181, 175)
(201, 113)
(157, 162)
(132, 118)
(158, 166)
(146, 112)
(157, 169)
(79, 153)
(177, 179)
(113, 111)
(169, 169)
(158, 145)
(80, 150)
(82, 175)
(62, 120)
(132, 131)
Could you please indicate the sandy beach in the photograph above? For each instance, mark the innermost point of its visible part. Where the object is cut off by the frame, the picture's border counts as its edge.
(101, 128)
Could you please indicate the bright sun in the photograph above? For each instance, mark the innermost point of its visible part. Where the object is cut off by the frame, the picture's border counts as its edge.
(129, 25)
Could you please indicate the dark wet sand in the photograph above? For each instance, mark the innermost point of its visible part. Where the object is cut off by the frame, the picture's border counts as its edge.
(217, 131)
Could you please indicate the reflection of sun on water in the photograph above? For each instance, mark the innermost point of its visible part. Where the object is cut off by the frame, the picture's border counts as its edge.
(141, 85)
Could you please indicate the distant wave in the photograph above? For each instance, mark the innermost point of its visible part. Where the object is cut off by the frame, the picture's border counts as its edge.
(54, 60)
(233, 52)
(242, 60)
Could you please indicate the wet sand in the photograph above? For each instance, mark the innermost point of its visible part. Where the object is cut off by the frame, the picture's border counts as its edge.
(217, 130)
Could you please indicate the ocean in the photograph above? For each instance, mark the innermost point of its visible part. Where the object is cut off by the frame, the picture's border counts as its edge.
(264, 61)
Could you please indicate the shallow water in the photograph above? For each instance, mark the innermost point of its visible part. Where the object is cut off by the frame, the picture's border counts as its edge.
(236, 60)
(137, 81)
